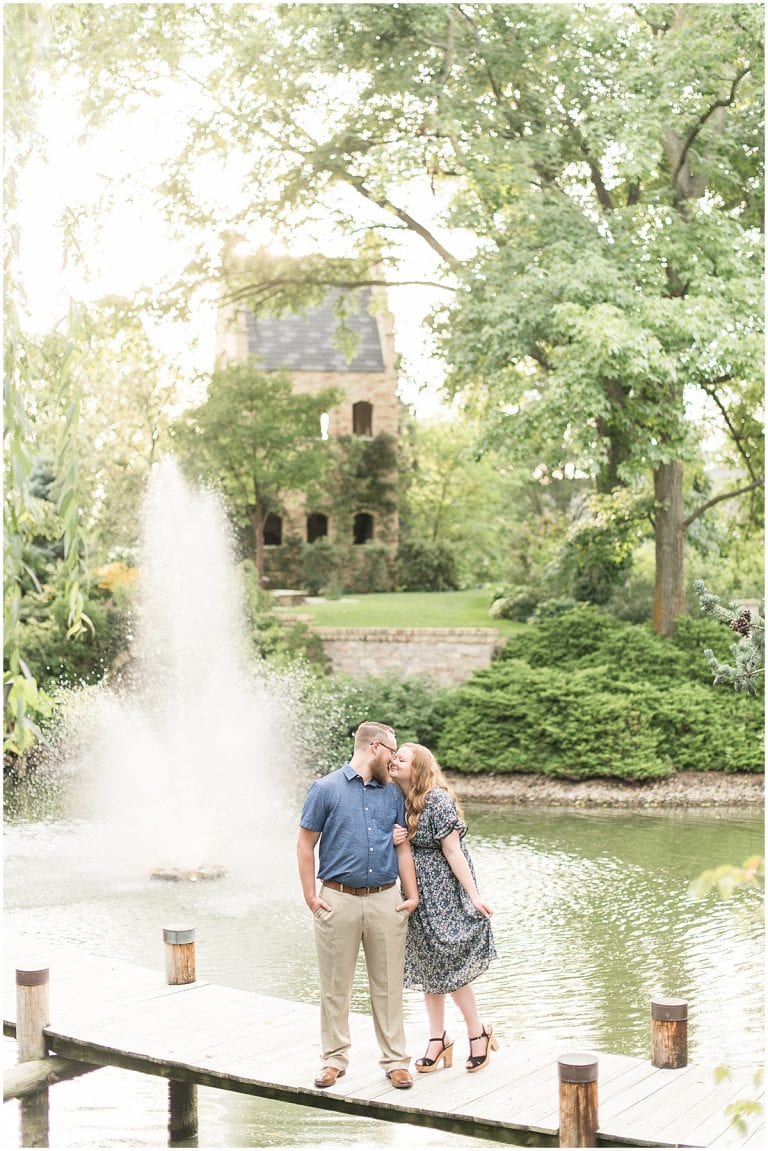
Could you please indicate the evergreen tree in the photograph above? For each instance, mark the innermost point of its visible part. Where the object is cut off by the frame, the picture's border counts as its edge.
(749, 650)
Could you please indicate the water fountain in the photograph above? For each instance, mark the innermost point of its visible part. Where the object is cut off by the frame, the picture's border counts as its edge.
(186, 763)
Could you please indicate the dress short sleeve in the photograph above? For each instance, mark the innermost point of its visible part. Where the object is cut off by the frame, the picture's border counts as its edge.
(442, 815)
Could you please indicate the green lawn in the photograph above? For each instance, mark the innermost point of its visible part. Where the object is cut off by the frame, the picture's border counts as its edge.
(407, 609)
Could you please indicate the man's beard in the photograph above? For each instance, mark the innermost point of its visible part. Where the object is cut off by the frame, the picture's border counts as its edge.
(380, 771)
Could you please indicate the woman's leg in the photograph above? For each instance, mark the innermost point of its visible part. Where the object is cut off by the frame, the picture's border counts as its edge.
(435, 1005)
(465, 1000)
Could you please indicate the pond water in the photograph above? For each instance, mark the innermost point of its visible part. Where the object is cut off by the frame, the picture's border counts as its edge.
(593, 917)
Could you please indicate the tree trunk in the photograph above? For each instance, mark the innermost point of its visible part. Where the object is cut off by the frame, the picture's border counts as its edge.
(669, 589)
(613, 430)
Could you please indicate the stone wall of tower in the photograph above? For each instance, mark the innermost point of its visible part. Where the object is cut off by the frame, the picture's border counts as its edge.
(376, 388)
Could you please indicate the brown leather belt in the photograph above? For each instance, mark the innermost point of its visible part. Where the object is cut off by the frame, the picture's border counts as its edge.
(356, 890)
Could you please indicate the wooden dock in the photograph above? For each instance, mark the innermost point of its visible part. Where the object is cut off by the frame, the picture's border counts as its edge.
(116, 1014)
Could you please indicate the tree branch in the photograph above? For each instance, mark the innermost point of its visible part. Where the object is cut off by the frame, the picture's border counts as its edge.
(264, 291)
(737, 439)
(603, 195)
(409, 221)
(718, 499)
(724, 102)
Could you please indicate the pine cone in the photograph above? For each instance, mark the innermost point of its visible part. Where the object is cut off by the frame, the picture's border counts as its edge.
(743, 623)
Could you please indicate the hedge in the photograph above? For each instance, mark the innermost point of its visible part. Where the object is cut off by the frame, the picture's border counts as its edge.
(586, 696)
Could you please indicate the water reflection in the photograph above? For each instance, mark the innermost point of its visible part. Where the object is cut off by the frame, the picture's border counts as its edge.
(593, 917)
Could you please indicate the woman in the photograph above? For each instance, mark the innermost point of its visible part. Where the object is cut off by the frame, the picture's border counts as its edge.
(449, 942)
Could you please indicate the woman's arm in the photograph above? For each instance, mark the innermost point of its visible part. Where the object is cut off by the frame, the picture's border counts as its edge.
(407, 871)
(457, 862)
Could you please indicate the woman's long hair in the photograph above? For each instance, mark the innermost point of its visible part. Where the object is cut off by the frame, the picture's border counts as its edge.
(426, 773)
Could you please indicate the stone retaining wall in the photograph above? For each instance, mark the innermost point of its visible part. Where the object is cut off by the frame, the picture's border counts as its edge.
(450, 655)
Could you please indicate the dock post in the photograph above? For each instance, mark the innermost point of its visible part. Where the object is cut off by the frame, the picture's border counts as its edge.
(669, 1038)
(179, 943)
(577, 1075)
(32, 1013)
(182, 1112)
(179, 955)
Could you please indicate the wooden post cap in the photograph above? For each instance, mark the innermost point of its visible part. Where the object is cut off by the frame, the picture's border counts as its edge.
(31, 976)
(178, 934)
(668, 1009)
(577, 1068)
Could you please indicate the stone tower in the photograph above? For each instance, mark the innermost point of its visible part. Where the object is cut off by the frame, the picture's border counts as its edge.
(304, 346)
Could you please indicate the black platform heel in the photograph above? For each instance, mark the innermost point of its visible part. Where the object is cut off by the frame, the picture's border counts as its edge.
(478, 1062)
(425, 1065)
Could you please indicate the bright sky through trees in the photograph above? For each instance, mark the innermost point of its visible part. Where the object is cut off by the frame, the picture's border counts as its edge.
(105, 181)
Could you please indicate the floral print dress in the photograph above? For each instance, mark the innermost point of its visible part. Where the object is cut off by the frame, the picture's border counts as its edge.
(449, 944)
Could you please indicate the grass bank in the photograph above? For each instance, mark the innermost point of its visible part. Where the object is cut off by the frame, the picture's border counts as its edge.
(407, 609)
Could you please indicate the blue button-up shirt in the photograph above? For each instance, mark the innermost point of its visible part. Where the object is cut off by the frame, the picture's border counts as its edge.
(355, 821)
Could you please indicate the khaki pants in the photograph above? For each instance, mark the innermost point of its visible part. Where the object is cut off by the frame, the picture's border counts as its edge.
(372, 921)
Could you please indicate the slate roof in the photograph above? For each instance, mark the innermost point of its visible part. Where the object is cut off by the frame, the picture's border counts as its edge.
(304, 343)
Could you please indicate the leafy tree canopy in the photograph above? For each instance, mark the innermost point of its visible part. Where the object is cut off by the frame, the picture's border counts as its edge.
(257, 441)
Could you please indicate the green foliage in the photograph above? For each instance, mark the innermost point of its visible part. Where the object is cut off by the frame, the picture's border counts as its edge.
(423, 566)
(457, 495)
(749, 650)
(415, 706)
(727, 878)
(57, 659)
(599, 547)
(581, 694)
(277, 642)
(552, 609)
(697, 733)
(364, 474)
(514, 603)
(319, 566)
(371, 568)
(258, 442)
(514, 718)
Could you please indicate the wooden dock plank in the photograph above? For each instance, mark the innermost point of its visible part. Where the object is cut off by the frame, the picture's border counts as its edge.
(117, 1013)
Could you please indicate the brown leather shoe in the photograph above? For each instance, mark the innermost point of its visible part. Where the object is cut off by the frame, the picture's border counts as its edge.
(328, 1077)
(400, 1078)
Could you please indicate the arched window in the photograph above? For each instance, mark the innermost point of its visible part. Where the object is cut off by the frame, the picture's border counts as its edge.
(273, 530)
(317, 527)
(363, 528)
(325, 425)
(362, 418)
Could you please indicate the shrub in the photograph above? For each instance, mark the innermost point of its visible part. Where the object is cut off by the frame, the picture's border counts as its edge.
(371, 571)
(513, 718)
(562, 640)
(699, 733)
(319, 566)
(53, 658)
(582, 695)
(552, 609)
(427, 567)
(415, 707)
(514, 603)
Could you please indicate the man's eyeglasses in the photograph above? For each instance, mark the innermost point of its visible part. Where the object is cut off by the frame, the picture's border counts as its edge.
(381, 743)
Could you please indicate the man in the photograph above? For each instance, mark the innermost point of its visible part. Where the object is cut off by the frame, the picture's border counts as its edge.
(352, 812)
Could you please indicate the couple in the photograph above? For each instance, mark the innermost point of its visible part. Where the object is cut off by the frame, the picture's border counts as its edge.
(434, 936)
